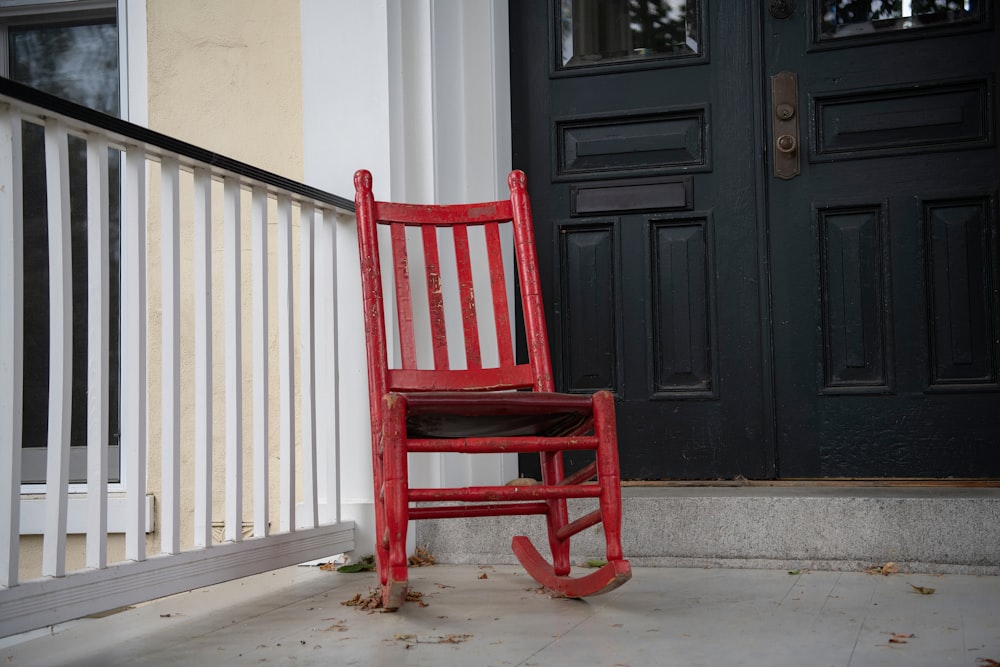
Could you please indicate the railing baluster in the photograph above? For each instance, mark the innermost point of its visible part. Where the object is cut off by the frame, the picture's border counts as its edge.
(260, 366)
(286, 366)
(133, 390)
(60, 348)
(326, 363)
(11, 341)
(308, 363)
(170, 538)
(234, 361)
(98, 313)
(202, 358)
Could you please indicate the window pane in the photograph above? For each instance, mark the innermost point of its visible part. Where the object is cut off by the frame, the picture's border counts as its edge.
(602, 31)
(78, 63)
(850, 18)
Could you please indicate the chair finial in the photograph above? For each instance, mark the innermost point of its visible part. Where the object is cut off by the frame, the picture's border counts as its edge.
(363, 180)
(517, 180)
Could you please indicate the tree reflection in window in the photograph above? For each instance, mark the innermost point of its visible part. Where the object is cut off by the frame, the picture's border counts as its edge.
(600, 31)
(847, 18)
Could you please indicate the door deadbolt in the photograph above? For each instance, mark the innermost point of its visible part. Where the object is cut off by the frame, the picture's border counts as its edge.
(782, 9)
(785, 124)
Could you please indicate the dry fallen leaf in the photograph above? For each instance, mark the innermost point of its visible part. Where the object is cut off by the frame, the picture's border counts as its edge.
(887, 569)
(421, 558)
(483, 576)
(923, 590)
(900, 638)
(988, 662)
(433, 639)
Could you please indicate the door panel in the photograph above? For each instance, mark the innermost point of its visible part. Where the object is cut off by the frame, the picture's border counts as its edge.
(884, 249)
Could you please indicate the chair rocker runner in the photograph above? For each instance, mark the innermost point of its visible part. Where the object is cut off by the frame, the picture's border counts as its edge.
(434, 407)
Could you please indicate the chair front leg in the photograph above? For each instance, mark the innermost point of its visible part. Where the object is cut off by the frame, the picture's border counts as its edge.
(608, 473)
(396, 498)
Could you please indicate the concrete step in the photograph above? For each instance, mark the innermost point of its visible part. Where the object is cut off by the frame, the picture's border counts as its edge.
(922, 529)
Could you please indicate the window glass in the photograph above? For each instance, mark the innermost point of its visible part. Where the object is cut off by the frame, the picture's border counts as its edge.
(75, 62)
(607, 31)
(78, 62)
(851, 18)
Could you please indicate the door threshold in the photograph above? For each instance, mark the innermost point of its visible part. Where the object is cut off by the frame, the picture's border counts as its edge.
(896, 482)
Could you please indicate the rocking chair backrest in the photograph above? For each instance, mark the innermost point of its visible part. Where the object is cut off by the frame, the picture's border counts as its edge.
(424, 223)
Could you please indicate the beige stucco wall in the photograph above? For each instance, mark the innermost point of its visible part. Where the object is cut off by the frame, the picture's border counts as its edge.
(227, 75)
(224, 75)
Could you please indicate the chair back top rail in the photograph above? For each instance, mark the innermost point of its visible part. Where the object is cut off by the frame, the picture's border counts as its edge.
(81, 120)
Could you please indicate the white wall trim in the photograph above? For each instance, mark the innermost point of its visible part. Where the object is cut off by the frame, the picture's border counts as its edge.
(133, 61)
(418, 92)
(33, 515)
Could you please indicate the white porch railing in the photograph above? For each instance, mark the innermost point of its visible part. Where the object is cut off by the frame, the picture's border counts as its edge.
(168, 329)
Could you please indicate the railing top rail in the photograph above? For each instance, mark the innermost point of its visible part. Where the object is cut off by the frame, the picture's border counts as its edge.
(46, 104)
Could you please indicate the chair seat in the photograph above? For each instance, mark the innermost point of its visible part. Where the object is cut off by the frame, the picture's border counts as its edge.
(501, 414)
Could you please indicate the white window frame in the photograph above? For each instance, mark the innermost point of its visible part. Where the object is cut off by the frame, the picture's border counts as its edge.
(130, 17)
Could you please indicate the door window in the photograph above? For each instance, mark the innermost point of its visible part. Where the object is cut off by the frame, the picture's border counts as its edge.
(612, 31)
(852, 18)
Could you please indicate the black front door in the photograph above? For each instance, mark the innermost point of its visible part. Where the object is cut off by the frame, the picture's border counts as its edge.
(884, 248)
(769, 228)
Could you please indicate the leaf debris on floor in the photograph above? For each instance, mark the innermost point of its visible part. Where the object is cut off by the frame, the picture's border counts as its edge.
(366, 564)
(372, 602)
(923, 590)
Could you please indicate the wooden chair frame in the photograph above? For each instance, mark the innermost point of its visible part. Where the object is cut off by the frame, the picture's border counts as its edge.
(509, 408)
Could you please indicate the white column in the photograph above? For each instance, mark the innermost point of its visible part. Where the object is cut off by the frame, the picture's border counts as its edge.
(417, 92)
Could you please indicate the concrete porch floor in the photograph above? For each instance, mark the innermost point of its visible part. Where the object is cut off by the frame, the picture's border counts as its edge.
(496, 615)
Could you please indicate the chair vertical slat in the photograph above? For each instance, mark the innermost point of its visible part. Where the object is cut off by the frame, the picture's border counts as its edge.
(286, 368)
(467, 298)
(307, 355)
(435, 297)
(261, 380)
(498, 285)
(202, 358)
(11, 341)
(133, 390)
(98, 291)
(170, 445)
(60, 348)
(326, 360)
(234, 360)
(404, 300)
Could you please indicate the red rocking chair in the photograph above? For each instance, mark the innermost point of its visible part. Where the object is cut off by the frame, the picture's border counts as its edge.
(473, 410)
